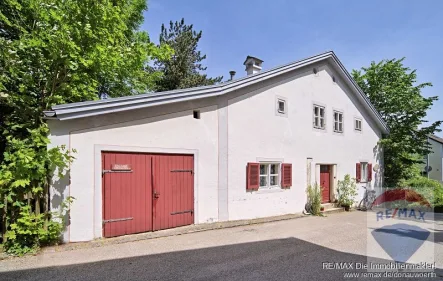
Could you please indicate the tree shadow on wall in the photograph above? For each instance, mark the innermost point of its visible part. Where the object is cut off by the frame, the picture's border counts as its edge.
(281, 259)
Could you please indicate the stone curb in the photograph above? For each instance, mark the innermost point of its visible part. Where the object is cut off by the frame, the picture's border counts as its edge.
(161, 233)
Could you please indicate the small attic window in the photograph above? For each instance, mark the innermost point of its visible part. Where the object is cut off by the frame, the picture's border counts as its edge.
(315, 70)
(281, 106)
(196, 114)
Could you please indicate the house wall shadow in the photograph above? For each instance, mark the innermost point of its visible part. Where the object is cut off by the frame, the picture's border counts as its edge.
(280, 259)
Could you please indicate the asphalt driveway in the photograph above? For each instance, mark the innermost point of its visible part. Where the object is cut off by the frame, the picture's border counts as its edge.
(298, 249)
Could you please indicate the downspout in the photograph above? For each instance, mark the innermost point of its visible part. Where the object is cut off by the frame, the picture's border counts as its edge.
(427, 163)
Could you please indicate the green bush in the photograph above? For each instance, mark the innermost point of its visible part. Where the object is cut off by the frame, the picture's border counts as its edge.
(32, 230)
(431, 189)
(347, 191)
(314, 199)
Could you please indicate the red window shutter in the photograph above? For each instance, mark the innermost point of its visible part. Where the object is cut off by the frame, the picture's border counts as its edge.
(369, 172)
(358, 172)
(286, 175)
(252, 176)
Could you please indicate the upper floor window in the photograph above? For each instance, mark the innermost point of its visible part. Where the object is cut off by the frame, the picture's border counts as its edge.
(357, 124)
(319, 117)
(338, 121)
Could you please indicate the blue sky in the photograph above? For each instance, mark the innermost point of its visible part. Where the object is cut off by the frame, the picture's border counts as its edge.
(281, 31)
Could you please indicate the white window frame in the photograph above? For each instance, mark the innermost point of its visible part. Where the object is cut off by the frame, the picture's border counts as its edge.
(278, 112)
(364, 171)
(338, 122)
(268, 175)
(355, 124)
(319, 117)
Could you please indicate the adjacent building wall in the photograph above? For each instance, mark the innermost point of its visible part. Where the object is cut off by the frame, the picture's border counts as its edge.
(436, 160)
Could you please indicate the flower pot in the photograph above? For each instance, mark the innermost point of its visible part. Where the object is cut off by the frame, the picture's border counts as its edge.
(347, 208)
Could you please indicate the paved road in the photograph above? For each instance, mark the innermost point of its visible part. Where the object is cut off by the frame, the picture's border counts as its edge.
(285, 250)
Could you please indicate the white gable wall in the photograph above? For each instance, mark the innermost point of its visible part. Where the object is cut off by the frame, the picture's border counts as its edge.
(257, 134)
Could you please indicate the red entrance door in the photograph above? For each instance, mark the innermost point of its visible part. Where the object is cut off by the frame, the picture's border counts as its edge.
(173, 183)
(145, 192)
(325, 183)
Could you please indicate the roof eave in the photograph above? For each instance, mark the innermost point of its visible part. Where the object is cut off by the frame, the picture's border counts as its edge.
(93, 108)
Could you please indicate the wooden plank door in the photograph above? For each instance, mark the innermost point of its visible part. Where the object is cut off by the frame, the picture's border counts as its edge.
(173, 190)
(325, 183)
(127, 193)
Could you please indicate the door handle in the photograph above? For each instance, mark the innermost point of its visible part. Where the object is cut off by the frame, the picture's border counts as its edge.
(156, 194)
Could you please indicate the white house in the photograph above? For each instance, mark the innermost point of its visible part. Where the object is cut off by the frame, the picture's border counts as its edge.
(434, 160)
(243, 149)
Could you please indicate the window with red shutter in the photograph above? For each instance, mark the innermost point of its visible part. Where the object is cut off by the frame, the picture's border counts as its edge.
(358, 172)
(369, 172)
(286, 175)
(252, 176)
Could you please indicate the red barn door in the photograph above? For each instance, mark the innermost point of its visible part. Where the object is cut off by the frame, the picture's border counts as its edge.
(127, 193)
(173, 184)
(146, 192)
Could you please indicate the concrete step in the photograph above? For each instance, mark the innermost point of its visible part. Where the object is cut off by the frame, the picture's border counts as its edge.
(333, 210)
(328, 206)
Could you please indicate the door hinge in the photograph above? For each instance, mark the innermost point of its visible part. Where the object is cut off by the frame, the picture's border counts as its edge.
(182, 171)
(116, 220)
(115, 171)
(183, 212)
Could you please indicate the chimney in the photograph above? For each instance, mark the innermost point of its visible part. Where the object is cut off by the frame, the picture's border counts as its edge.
(232, 73)
(253, 65)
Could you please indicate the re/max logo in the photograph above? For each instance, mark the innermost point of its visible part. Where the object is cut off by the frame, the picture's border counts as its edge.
(399, 213)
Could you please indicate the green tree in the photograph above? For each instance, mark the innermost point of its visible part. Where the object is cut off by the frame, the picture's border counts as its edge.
(53, 52)
(185, 67)
(393, 89)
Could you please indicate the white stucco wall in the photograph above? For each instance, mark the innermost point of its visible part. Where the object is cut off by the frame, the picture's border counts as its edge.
(174, 133)
(436, 160)
(234, 129)
(256, 133)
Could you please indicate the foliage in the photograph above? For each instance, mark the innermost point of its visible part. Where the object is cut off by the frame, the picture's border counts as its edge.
(32, 230)
(431, 189)
(393, 89)
(347, 191)
(185, 67)
(53, 52)
(314, 199)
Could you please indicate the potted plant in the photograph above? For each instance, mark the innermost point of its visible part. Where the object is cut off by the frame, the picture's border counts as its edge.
(347, 190)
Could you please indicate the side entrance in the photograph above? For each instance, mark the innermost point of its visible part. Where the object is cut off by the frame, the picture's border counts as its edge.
(325, 183)
(146, 192)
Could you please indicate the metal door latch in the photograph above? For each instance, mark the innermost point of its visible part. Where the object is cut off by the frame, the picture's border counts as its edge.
(156, 194)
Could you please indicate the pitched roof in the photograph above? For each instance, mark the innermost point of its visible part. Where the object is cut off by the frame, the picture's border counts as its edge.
(112, 105)
(437, 139)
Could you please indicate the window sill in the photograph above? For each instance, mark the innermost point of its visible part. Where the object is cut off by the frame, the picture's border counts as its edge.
(269, 190)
